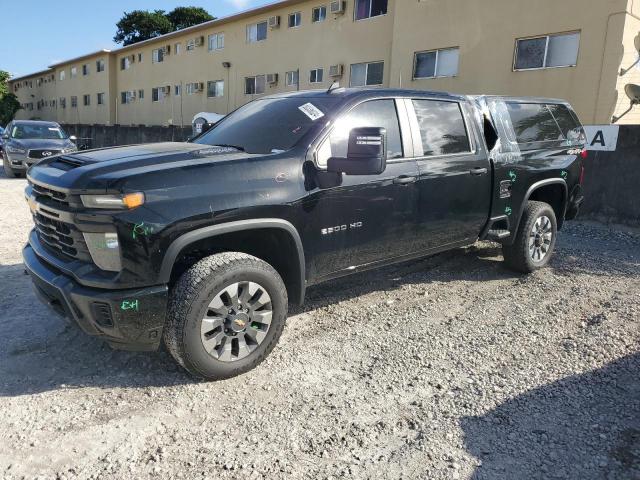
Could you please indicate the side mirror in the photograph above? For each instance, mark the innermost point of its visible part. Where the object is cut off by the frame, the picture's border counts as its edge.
(366, 153)
(73, 138)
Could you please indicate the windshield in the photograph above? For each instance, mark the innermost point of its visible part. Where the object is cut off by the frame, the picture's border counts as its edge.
(47, 132)
(270, 125)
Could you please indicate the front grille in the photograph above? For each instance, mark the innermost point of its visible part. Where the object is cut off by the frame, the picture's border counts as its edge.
(62, 239)
(41, 191)
(43, 153)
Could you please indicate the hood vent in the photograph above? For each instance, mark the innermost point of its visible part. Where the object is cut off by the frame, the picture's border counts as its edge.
(66, 163)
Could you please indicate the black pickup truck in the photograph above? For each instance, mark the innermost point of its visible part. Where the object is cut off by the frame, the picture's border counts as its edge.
(203, 244)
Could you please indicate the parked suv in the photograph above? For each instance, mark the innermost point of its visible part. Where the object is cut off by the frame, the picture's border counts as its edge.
(205, 243)
(26, 142)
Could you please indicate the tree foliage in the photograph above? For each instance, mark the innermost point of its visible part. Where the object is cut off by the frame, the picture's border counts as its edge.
(9, 103)
(183, 17)
(139, 25)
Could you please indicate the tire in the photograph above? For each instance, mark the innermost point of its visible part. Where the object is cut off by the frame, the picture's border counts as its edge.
(200, 312)
(535, 240)
(8, 171)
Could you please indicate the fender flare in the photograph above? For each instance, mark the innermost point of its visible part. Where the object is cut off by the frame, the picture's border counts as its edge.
(534, 187)
(182, 242)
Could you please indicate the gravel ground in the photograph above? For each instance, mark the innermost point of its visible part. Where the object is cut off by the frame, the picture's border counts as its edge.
(448, 368)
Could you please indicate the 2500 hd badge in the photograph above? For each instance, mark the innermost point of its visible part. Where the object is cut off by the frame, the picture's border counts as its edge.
(195, 245)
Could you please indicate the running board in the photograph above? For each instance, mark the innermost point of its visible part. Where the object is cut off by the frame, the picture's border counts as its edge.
(497, 229)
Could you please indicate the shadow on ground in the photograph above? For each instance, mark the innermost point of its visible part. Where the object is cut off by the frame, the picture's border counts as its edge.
(584, 427)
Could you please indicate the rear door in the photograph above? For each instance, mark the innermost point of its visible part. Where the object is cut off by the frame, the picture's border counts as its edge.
(367, 218)
(454, 186)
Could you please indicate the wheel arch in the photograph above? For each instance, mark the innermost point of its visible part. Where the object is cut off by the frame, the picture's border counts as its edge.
(216, 238)
(553, 191)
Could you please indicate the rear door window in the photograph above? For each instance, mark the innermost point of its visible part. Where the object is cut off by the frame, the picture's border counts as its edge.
(442, 127)
(533, 122)
(566, 120)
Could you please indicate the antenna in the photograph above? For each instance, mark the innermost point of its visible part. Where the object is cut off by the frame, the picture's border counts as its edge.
(334, 86)
(633, 92)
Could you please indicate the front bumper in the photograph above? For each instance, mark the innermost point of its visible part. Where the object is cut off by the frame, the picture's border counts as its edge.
(127, 319)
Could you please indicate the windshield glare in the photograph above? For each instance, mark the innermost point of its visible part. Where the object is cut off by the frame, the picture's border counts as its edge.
(45, 132)
(270, 125)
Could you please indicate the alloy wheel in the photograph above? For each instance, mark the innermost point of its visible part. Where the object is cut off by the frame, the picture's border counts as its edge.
(540, 238)
(236, 321)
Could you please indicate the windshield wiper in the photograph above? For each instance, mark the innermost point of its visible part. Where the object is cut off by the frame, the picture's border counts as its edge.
(237, 147)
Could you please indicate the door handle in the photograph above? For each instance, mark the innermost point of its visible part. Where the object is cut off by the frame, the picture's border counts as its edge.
(478, 171)
(404, 180)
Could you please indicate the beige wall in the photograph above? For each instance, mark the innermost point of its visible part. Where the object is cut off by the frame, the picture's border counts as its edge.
(486, 40)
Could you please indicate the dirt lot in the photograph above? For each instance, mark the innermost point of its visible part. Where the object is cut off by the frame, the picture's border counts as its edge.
(448, 368)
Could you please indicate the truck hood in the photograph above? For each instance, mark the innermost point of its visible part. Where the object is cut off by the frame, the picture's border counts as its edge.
(103, 169)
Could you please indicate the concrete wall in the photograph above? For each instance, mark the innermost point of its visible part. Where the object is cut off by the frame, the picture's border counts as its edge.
(612, 180)
(99, 136)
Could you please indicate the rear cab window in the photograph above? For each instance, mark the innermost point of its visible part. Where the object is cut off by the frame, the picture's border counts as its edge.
(536, 123)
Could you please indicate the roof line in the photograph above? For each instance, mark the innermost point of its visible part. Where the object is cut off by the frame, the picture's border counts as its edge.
(81, 57)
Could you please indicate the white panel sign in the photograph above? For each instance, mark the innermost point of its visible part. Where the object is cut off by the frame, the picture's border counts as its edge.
(602, 137)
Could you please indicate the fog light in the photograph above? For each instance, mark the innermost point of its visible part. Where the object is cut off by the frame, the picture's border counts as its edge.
(105, 250)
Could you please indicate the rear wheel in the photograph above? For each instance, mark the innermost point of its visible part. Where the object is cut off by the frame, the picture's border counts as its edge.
(8, 171)
(535, 240)
(226, 314)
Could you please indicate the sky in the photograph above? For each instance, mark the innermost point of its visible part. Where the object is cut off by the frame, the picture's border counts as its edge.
(38, 33)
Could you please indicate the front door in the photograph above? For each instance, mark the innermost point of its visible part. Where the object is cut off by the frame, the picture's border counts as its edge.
(368, 218)
(454, 186)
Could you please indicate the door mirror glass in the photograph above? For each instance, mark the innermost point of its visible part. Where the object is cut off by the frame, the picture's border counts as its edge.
(366, 153)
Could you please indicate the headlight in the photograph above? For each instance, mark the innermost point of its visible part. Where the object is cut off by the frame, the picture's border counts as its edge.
(123, 202)
(11, 149)
(105, 250)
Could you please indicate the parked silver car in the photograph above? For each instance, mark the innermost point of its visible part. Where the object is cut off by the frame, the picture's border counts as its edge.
(26, 142)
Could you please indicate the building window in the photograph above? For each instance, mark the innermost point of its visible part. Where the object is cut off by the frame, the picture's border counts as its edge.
(319, 14)
(548, 51)
(176, 48)
(292, 78)
(316, 75)
(140, 94)
(74, 72)
(370, 8)
(255, 85)
(125, 63)
(191, 44)
(215, 88)
(257, 32)
(74, 102)
(85, 70)
(366, 74)
(63, 74)
(194, 87)
(100, 66)
(125, 97)
(436, 63)
(157, 55)
(140, 57)
(63, 102)
(86, 100)
(100, 98)
(157, 94)
(177, 90)
(216, 41)
(295, 19)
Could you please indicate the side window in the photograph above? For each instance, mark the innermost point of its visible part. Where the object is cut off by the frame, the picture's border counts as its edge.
(442, 127)
(568, 124)
(375, 113)
(533, 122)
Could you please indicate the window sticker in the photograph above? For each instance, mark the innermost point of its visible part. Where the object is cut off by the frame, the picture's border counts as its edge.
(311, 111)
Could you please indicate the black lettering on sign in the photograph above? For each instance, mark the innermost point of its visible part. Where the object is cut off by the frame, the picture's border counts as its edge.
(598, 138)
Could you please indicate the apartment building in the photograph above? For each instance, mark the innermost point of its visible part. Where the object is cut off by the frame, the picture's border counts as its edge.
(575, 49)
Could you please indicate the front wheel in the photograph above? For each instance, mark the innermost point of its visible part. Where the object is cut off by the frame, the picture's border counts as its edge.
(8, 171)
(226, 314)
(535, 240)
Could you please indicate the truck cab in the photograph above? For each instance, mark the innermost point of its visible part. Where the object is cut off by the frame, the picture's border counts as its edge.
(204, 244)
